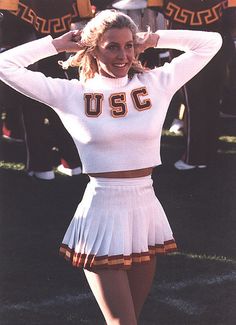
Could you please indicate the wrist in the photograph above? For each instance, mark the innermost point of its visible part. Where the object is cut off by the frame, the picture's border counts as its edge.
(58, 45)
(155, 39)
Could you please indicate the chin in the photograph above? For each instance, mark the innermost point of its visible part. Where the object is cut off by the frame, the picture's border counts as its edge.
(114, 74)
(120, 75)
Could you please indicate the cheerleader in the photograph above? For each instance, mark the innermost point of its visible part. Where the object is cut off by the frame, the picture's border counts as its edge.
(115, 114)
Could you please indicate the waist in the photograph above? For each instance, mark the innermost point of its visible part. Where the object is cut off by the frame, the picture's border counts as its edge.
(124, 174)
(116, 183)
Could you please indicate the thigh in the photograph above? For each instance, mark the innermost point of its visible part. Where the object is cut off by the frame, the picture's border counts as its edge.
(140, 281)
(112, 292)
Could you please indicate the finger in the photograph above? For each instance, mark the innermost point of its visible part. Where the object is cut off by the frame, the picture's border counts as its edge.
(77, 34)
(76, 39)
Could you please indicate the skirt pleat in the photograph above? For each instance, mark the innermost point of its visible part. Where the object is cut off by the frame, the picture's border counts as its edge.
(119, 222)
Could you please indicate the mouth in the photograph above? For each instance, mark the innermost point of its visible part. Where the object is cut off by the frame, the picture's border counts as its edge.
(120, 65)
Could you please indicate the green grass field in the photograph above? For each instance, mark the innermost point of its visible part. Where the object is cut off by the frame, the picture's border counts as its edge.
(195, 286)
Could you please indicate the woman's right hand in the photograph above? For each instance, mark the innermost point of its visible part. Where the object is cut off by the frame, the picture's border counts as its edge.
(68, 42)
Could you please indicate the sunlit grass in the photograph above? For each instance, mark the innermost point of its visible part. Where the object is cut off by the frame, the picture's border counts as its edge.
(227, 138)
(20, 167)
(167, 133)
(226, 152)
(222, 259)
(11, 165)
(222, 138)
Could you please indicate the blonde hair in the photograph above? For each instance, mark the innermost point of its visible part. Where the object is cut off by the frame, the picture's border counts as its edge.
(90, 36)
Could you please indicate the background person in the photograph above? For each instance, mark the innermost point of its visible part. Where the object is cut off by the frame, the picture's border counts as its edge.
(48, 144)
(202, 95)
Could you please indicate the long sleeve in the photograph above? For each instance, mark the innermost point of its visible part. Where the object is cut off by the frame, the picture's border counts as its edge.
(13, 71)
(198, 47)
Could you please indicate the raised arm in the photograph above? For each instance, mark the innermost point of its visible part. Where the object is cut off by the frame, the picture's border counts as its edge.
(35, 85)
(198, 47)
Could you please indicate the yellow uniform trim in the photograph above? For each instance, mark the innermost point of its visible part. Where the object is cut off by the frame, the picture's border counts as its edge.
(84, 8)
(231, 3)
(120, 261)
(9, 4)
(155, 3)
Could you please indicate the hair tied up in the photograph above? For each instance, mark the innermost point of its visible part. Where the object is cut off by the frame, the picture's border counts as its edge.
(66, 64)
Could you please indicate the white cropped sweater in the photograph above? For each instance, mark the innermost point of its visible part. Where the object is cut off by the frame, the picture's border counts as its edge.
(115, 123)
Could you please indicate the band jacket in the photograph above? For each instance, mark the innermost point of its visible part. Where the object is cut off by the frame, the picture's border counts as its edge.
(49, 16)
(194, 14)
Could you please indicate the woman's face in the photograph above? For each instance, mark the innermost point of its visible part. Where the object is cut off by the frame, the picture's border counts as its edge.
(115, 53)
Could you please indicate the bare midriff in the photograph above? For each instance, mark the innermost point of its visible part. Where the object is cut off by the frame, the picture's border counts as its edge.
(125, 173)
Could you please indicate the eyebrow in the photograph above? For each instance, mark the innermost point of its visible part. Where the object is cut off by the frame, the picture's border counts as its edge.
(117, 43)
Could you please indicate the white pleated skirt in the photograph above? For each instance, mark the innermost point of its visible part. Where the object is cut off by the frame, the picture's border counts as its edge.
(118, 223)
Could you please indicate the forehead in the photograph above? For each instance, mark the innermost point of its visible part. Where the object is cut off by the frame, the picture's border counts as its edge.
(120, 35)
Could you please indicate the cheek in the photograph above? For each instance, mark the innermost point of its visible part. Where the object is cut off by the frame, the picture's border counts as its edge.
(131, 55)
(105, 58)
(104, 64)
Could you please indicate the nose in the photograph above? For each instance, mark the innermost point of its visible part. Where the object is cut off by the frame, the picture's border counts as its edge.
(121, 54)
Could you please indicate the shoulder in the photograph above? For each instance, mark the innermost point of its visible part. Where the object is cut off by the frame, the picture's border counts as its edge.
(153, 75)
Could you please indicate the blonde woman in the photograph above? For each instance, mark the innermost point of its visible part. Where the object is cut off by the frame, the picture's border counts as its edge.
(115, 114)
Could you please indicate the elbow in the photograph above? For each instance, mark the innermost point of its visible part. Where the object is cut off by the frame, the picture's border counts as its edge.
(213, 43)
(3, 66)
(218, 40)
(1, 70)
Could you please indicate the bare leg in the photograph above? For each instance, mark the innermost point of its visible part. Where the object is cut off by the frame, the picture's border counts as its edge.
(112, 292)
(140, 282)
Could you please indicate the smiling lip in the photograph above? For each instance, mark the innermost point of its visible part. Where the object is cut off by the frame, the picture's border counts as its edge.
(120, 65)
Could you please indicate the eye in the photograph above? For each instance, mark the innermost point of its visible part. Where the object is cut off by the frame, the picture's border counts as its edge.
(112, 47)
(129, 45)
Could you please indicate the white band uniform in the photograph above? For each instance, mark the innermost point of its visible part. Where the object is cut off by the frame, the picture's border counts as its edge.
(118, 222)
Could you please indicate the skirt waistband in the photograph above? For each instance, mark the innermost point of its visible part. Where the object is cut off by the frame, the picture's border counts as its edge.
(102, 181)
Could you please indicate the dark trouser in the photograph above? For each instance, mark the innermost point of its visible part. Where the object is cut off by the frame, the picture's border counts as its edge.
(12, 121)
(41, 127)
(45, 132)
(229, 94)
(203, 94)
(44, 129)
